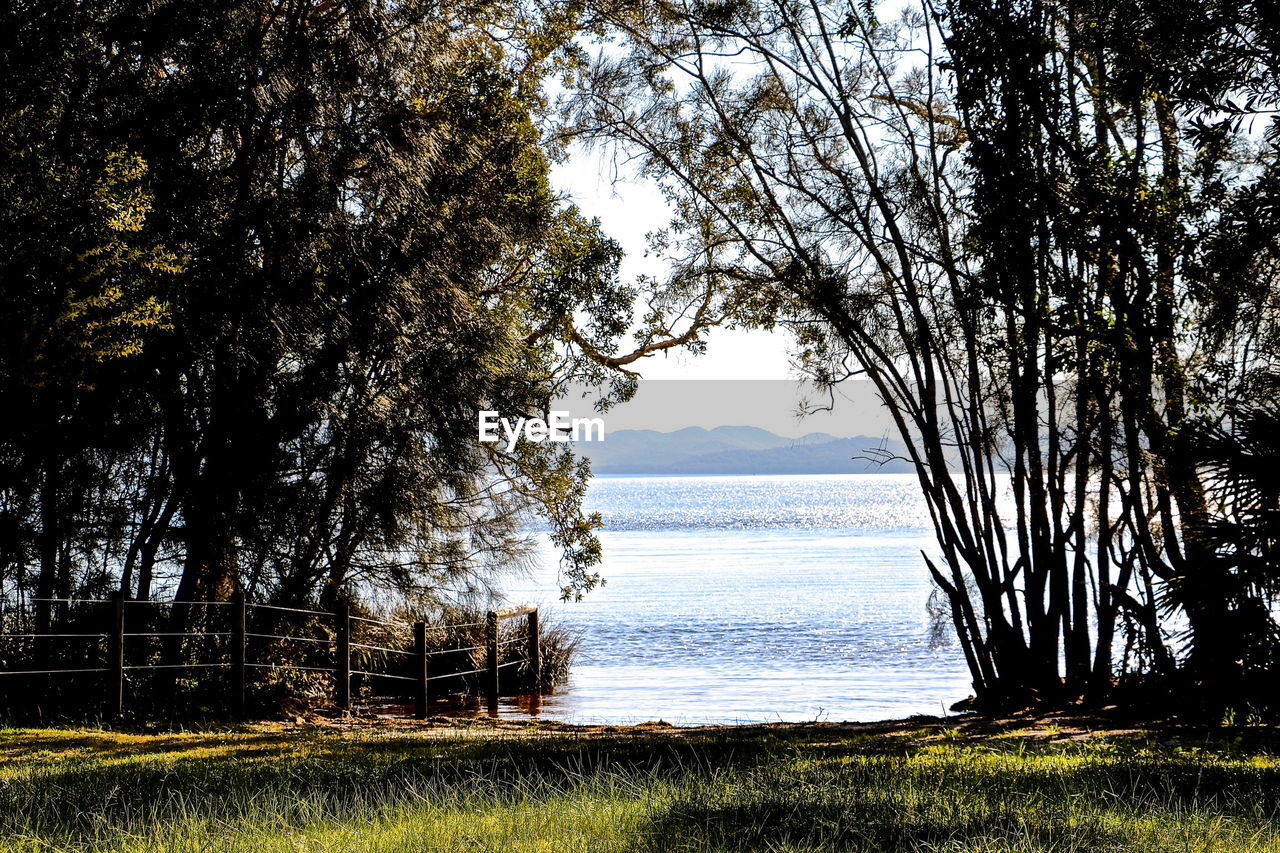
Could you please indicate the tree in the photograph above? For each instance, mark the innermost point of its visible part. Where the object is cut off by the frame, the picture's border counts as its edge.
(269, 259)
(80, 280)
(984, 210)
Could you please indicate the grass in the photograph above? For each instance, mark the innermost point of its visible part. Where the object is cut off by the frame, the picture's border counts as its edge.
(918, 786)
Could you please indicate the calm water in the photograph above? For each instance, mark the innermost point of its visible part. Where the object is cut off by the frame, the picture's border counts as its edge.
(735, 599)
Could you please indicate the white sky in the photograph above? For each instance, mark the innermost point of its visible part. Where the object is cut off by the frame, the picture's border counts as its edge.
(628, 210)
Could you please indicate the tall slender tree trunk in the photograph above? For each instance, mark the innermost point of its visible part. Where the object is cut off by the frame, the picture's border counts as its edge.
(1204, 587)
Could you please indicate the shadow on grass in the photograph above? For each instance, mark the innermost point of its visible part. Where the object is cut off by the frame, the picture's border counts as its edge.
(1128, 803)
(38, 745)
(733, 790)
(791, 826)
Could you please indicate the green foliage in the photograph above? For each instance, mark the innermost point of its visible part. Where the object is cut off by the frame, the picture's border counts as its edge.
(262, 265)
(106, 316)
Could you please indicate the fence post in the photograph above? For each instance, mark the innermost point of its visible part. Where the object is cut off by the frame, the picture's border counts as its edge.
(535, 658)
(239, 630)
(420, 670)
(491, 654)
(342, 669)
(115, 657)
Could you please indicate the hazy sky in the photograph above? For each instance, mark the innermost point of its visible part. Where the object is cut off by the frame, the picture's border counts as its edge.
(773, 404)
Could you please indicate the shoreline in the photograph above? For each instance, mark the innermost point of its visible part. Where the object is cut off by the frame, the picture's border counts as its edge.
(1056, 726)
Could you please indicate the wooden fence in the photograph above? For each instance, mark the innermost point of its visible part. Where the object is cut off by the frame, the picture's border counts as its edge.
(237, 634)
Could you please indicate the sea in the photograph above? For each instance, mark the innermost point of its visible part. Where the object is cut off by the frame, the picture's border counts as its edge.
(752, 599)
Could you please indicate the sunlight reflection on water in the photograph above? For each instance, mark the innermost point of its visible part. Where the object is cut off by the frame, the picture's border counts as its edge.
(736, 599)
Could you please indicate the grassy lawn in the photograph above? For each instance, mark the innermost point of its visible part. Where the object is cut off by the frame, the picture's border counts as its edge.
(910, 786)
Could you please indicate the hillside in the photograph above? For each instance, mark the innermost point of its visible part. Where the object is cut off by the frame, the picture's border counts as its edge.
(737, 450)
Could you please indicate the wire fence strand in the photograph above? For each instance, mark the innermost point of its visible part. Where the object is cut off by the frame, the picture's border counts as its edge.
(290, 609)
(383, 622)
(457, 674)
(383, 675)
(294, 639)
(51, 636)
(176, 665)
(50, 671)
(381, 649)
(328, 669)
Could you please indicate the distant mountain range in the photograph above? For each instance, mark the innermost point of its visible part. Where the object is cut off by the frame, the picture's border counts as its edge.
(737, 450)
